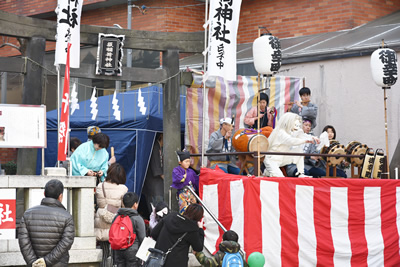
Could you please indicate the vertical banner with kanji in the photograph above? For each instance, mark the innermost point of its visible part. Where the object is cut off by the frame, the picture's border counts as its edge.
(224, 22)
(64, 122)
(7, 213)
(68, 31)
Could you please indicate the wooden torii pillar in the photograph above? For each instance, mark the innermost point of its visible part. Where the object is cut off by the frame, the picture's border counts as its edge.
(31, 95)
(172, 122)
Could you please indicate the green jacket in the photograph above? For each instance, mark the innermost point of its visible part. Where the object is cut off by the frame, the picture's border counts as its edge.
(216, 260)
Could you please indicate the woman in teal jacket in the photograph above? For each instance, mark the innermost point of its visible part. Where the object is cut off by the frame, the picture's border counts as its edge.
(91, 157)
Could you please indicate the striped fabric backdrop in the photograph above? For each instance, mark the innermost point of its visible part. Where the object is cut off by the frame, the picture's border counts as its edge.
(305, 221)
(229, 99)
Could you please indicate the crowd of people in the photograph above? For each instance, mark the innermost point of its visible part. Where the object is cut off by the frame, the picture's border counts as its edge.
(175, 232)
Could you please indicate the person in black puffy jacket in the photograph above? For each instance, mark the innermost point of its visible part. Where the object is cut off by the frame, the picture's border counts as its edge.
(172, 227)
(47, 231)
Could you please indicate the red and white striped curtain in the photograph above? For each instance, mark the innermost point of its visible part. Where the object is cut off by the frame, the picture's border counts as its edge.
(305, 221)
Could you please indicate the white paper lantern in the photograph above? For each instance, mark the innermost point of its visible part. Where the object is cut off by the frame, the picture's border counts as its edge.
(267, 54)
(384, 67)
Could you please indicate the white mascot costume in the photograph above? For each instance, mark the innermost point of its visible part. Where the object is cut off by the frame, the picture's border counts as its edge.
(288, 136)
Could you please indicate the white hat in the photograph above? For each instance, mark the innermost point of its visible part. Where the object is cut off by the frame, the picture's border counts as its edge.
(226, 120)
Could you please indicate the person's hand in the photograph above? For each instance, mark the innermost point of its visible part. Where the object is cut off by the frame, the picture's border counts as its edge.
(298, 103)
(316, 158)
(100, 173)
(112, 160)
(194, 252)
(200, 223)
(39, 263)
(289, 107)
(345, 163)
(316, 139)
(228, 134)
(90, 173)
(162, 176)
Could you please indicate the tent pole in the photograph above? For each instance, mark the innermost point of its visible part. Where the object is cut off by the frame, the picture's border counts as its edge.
(58, 109)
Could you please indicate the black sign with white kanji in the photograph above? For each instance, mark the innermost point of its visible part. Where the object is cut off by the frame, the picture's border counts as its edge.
(109, 54)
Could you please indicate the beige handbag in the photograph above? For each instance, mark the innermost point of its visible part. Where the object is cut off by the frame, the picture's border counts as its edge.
(109, 211)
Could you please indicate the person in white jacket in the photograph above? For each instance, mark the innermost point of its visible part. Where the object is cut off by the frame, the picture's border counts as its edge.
(287, 136)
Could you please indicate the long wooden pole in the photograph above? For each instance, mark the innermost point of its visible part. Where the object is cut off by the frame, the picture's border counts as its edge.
(203, 119)
(386, 134)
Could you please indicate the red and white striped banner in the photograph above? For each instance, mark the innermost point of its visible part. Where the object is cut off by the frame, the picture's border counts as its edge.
(306, 221)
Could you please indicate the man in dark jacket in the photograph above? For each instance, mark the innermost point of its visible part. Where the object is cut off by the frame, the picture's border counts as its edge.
(47, 231)
(127, 257)
(172, 227)
(229, 244)
(153, 187)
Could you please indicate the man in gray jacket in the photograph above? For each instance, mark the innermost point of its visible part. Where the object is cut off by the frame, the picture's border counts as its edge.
(221, 142)
(47, 231)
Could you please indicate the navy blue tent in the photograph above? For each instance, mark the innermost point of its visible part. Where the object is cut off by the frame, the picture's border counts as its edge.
(132, 137)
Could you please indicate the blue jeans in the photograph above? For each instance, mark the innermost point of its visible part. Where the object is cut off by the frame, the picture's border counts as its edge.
(231, 169)
(339, 172)
(315, 172)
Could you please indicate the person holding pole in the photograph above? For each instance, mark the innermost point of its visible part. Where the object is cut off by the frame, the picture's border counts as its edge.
(265, 114)
(304, 107)
(221, 142)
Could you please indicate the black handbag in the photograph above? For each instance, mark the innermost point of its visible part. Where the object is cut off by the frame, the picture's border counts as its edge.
(157, 257)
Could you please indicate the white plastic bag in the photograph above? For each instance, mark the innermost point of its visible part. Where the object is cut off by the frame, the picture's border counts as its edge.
(143, 251)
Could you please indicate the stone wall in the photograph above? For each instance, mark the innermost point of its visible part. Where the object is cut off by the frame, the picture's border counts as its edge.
(79, 201)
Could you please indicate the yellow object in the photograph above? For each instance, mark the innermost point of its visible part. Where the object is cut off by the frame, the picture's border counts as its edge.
(217, 161)
(39, 263)
(92, 130)
(184, 177)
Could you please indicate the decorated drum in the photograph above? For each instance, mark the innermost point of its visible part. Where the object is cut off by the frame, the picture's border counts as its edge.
(356, 148)
(335, 148)
(245, 140)
(368, 164)
(378, 163)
